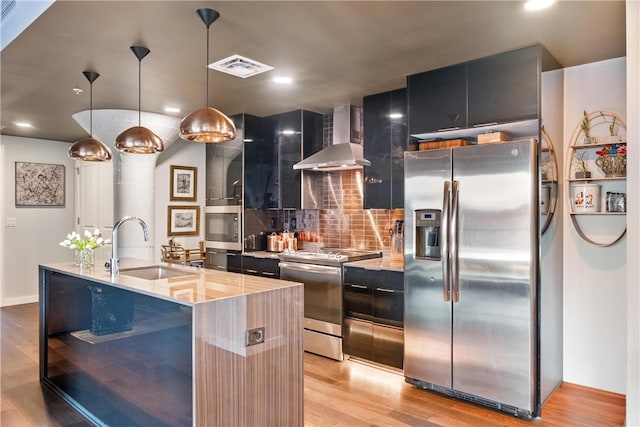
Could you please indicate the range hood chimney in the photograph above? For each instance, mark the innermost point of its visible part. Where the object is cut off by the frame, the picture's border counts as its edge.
(345, 152)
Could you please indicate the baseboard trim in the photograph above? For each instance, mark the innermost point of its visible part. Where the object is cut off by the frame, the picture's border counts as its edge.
(19, 300)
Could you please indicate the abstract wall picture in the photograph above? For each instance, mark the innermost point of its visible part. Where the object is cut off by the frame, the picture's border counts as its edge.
(39, 185)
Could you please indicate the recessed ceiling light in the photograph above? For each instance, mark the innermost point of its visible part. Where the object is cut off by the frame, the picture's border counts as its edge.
(283, 80)
(171, 110)
(240, 66)
(538, 4)
(23, 124)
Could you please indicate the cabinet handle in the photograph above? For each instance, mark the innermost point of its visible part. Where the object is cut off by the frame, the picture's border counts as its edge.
(358, 286)
(386, 290)
(248, 270)
(479, 125)
(447, 129)
(268, 273)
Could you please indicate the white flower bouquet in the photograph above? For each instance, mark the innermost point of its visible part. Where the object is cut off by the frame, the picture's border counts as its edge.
(89, 242)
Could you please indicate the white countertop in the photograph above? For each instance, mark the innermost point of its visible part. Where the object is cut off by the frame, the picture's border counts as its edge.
(199, 285)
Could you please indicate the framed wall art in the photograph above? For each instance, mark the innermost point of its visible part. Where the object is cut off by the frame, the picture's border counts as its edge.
(184, 183)
(183, 221)
(39, 185)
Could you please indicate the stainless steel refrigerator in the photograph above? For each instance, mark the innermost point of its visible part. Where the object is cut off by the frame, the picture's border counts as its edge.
(472, 307)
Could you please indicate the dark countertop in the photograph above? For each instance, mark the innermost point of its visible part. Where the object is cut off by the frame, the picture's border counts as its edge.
(383, 263)
(262, 254)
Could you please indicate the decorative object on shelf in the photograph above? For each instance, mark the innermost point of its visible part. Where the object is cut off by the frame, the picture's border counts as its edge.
(585, 125)
(84, 246)
(183, 220)
(90, 149)
(613, 165)
(39, 185)
(581, 167)
(184, 183)
(139, 139)
(545, 197)
(207, 124)
(586, 198)
(616, 202)
(549, 177)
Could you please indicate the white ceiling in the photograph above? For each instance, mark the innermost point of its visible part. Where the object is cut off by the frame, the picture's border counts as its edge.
(337, 51)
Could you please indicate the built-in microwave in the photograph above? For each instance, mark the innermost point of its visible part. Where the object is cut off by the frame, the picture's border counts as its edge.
(223, 227)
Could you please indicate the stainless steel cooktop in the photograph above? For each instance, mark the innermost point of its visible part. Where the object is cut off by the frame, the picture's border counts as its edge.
(329, 256)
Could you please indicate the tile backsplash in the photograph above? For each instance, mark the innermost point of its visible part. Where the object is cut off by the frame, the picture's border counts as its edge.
(344, 223)
(341, 223)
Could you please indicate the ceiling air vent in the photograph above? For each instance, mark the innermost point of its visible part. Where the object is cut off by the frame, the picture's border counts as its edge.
(240, 66)
(7, 6)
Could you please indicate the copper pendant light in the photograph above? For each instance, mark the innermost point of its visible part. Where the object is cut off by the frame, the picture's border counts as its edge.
(90, 149)
(207, 124)
(138, 139)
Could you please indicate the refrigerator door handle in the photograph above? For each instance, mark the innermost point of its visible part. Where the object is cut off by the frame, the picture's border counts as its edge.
(444, 237)
(453, 244)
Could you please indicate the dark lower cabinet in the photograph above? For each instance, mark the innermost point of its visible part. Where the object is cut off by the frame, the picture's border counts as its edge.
(105, 351)
(371, 341)
(266, 267)
(374, 312)
(224, 260)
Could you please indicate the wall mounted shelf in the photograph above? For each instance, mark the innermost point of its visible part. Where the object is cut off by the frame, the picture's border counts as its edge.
(597, 122)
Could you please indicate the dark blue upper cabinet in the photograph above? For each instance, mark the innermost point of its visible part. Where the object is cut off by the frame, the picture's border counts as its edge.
(270, 180)
(288, 134)
(385, 140)
(498, 89)
(438, 99)
(224, 169)
(260, 171)
(504, 88)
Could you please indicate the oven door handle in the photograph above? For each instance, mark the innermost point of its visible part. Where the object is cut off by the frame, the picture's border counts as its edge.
(311, 268)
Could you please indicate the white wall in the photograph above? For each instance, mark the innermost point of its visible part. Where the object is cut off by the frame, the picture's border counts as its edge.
(38, 231)
(551, 260)
(633, 218)
(181, 153)
(594, 277)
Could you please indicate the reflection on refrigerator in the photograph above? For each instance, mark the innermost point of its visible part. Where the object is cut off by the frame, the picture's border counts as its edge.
(472, 310)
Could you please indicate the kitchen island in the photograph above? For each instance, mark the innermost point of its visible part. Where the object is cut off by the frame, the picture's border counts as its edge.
(172, 345)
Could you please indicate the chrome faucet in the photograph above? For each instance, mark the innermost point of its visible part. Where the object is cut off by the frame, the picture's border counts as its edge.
(114, 261)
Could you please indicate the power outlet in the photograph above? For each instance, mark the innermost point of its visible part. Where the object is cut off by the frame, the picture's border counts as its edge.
(255, 336)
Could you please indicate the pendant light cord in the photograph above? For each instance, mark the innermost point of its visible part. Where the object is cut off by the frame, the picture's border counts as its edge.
(206, 67)
(139, 91)
(91, 109)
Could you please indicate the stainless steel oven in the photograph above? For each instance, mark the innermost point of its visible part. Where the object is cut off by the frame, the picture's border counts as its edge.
(223, 227)
(321, 274)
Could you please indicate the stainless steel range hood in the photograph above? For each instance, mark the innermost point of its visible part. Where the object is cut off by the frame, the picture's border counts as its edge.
(346, 150)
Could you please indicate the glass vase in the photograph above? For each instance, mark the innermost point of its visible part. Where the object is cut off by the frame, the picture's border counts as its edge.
(84, 258)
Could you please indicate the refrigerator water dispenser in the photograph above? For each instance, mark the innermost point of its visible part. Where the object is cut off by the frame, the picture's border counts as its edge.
(428, 222)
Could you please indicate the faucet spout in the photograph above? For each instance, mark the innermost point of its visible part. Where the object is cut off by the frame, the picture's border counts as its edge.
(114, 261)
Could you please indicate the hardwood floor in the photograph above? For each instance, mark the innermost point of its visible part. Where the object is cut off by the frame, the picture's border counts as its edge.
(335, 394)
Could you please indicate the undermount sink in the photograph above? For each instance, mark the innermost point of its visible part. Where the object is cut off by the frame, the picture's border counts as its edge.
(154, 272)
